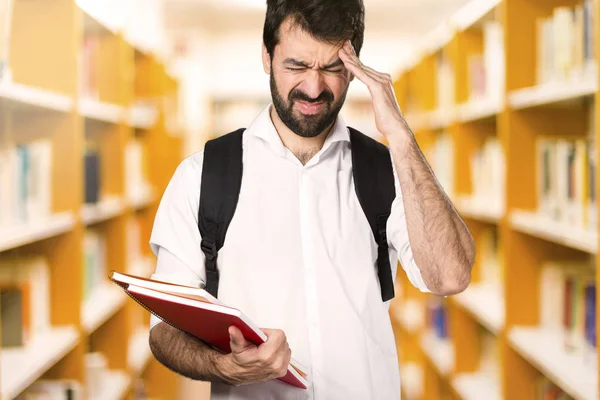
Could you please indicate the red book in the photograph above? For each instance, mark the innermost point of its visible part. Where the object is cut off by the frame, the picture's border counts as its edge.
(196, 312)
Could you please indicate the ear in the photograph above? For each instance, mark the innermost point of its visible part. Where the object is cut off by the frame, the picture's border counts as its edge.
(266, 60)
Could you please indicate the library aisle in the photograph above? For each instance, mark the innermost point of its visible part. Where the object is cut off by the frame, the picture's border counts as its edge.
(86, 147)
(502, 96)
(504, 103)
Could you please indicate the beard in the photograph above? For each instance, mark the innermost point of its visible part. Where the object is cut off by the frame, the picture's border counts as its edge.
(303, 125)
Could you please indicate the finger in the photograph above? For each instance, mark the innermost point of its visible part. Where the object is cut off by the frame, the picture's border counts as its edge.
(285, 362)
(236, 339)
(358, 64)
(349, 50)
(355, 69)
(275, 336)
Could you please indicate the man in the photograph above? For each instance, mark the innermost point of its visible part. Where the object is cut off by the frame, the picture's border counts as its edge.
(299, 254)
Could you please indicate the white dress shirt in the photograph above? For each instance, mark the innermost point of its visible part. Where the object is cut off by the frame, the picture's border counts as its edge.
(299, 256)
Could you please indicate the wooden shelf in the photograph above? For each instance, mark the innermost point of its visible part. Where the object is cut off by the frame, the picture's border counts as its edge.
(476, 386)
(19, 368)
(480, 210)
(554, 93)
(417, 121)
(116, 386)
(139, 353)
(143, 267)
(142, 117)
(412, 380)
(491, 66)
(410, 315)
(434, 120)
(439, 351)
(142, 199)
(486, 303)
(103, 303)
(21, 235)
(441, 118)
(101, 112)
(76, 82)
(478, 110)
(472, 12)
(539, 226)
(544, 350)
(32, 98)
(106, 209)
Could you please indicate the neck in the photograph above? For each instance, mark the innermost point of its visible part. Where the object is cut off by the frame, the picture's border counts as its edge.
(304, 148)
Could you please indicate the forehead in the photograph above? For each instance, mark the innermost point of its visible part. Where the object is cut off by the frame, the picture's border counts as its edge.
(296, 43)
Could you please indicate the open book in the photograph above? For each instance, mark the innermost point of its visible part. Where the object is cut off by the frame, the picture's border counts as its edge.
(200, 314)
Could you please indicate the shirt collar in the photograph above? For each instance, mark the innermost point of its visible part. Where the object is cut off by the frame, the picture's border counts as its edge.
(263, 127)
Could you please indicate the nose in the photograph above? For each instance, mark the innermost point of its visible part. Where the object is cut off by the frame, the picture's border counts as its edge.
(313, 84)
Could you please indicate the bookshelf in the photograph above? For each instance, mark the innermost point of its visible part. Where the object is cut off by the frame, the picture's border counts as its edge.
(96, 117)
(522, 151)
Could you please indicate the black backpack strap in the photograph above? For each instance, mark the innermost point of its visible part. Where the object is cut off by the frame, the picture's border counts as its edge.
(376, 190)
(219, 193)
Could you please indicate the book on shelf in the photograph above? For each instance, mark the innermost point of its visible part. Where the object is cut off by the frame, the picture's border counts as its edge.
(92, 167)
(488, 181)
(490, 259)
(88, 60)
(445, 82)
(591, 194)
(568, 305)
(136, 184)
(46, 389)
(13, 315)
(94, 262)
(96, 369)
(548, 390)
(566, 43)
(25, 303)
(5, 35)
(197, 312)
(566, 186)
(486, 70)
(25, 182)
(441, 158)
(489, 359)
(437, 318)
(134, 241)
(494, 60)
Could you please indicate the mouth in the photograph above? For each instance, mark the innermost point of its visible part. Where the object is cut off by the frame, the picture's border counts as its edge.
(310, 108)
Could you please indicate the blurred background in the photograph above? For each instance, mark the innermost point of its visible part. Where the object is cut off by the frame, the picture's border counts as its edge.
(101, 100)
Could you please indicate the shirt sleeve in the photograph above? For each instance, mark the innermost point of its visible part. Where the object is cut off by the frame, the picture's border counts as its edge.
(398, 240)
(175, 238)
(171, 269)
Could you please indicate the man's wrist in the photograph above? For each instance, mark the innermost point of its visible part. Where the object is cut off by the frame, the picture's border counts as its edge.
(223, 367)
(400, 139)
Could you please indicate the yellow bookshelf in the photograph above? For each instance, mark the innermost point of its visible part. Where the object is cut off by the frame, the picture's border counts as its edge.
(80, 85)
(506, 97)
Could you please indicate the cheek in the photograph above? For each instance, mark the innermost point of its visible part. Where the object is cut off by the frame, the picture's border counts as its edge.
(337, 84)
(286, 83)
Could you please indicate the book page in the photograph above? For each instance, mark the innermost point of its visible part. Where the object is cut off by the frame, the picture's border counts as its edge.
(165, 287)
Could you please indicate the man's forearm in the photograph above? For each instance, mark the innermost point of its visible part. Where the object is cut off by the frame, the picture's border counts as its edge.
(185, 354)
(441, 243)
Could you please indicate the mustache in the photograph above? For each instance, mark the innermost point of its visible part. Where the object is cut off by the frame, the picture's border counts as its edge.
(325, 96)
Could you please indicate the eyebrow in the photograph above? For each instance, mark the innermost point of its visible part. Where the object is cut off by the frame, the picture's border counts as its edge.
(298, 63)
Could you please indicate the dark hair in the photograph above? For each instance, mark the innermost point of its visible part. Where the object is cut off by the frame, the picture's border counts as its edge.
(332, 21)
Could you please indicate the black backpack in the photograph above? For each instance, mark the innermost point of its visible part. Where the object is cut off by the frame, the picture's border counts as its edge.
(222, 180)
